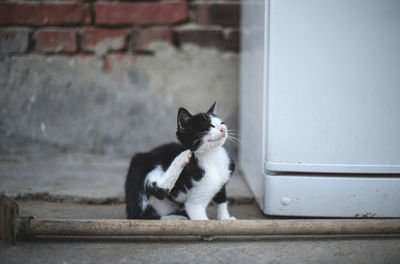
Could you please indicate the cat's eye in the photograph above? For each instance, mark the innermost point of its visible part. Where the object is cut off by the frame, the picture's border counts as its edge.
(211, 125)
(222, 123)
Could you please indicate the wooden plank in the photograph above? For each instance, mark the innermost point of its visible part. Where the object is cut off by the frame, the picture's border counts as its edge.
(74, 227)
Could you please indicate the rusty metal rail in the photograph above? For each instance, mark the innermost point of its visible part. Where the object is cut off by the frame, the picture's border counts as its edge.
(13, 226)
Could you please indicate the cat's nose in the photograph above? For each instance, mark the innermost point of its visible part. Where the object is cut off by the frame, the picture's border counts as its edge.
(223, 131)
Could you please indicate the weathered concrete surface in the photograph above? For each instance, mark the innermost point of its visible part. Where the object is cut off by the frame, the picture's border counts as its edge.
(117, 106)
(79, 178)
(261, 249)
(42, 209)
(14, 40)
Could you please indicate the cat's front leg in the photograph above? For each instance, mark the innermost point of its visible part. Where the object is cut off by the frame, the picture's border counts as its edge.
(223, 213)
(170, 177)
(222, 205)
(161, 183)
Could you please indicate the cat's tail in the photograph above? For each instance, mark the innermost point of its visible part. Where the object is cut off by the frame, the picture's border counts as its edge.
(134, 188)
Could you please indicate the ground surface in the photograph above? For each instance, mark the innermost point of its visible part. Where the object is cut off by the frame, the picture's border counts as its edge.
(79, 177)
(86, 186)
(255, 249)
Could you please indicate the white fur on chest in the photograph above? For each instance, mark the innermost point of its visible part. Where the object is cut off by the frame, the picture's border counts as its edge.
(216, 173)
(215, 166)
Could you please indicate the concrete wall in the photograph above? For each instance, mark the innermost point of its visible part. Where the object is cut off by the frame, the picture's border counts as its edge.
(102, 78)
(73, 104)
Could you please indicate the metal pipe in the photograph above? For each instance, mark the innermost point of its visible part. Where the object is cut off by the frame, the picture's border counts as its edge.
(72, 227)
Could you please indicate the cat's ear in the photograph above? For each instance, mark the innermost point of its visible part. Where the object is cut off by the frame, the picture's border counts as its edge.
(183, 118)
(212, 109)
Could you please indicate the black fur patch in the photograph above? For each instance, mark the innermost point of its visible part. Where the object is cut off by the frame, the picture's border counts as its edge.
(220, 197)
(194, 129)
(159, 193)
(149, 213)
(231, 166)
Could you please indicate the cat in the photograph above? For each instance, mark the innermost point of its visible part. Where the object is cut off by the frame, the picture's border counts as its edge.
(179, 180)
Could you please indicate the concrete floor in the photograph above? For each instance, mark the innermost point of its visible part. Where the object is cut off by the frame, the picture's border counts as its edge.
(254, 249)
(85, 186)
(79, 178)
(187, 250)
(72, 210)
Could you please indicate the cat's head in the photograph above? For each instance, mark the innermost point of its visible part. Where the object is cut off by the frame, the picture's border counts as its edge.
(201, 132)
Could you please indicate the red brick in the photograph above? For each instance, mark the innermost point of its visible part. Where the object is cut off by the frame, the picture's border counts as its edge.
(14, 40)
(232, 41)
(225, 14)
(112, 59)
(44, 13)
(141, 38)
(95, 39)
(203, 37)
(141, 13)
(56, 41)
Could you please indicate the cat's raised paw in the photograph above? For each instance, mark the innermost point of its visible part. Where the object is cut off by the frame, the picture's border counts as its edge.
(184, 158)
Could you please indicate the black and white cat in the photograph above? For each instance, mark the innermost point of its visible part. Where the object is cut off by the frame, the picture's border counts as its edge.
(179, 180)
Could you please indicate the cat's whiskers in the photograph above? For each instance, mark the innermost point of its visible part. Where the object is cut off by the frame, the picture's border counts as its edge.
(200, 138)
(232, 134)
(196, 141)
(234, 141)
(202, 132)
(235, 145)
(233, 130)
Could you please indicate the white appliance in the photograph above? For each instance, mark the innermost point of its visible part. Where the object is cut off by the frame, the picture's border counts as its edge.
(320, 106)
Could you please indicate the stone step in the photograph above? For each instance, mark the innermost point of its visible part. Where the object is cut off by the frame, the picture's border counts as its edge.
(81, 178)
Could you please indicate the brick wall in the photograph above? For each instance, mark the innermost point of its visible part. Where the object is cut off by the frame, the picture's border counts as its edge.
(103, 27)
